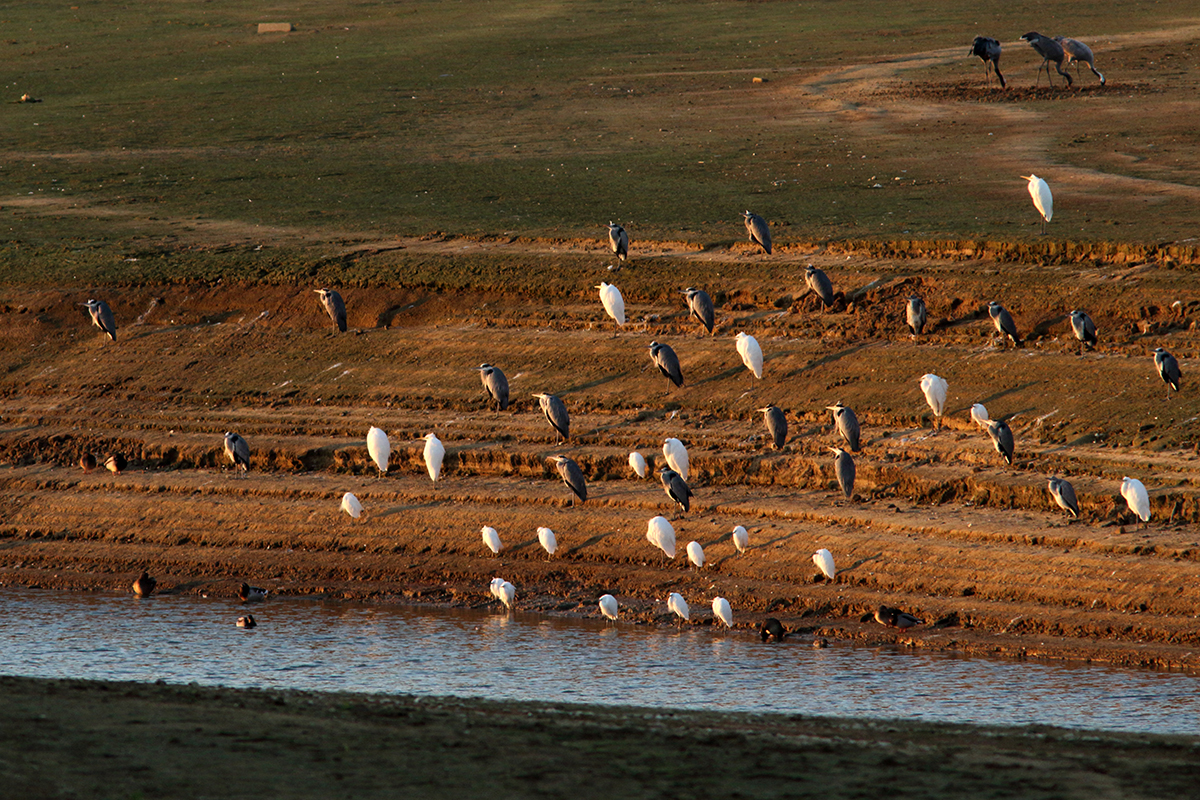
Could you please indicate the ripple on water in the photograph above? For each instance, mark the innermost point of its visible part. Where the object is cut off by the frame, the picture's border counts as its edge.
(427, 651)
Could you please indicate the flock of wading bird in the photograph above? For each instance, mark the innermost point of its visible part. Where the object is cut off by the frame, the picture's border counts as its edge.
(674, 474)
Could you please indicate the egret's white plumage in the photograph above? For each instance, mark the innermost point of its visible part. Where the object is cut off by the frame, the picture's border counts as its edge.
(1134, 492)
(661, 533)
(935, 394)
(491, 537)
(824, 561)
(677, 456)
(547, 540)
(722, 611)
(506, 593)
(614, 304)
(741, 539)
(608, 606)
(695, 553)
(379, 448)
(751, 353)
(678, 606)
(434, 453)
(979, 415)
(494, 587)
(351, 505)
(638, 464)
(1043, 201)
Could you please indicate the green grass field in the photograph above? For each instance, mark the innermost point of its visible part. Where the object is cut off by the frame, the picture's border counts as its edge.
(176, 128)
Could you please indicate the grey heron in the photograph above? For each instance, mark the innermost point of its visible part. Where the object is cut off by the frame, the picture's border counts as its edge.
(772, 629)
(1084, 330)
(556, 414)
(777, 425)
(1049, 50)
(751, 353)
(237, 451)
(1043, 199)
(676, 488)
(895, 618)
(116, 463)
(819, 284)
(758, 230)
(700, 306)
(495, 384)
(988, 49)
(613, 302)
(1002, 438)
(572, 476)
(434, 452)
(723, 611)
(1064, 495)
(334, 307)
(1003, 322)
(1136, 497)
(1076, 51)
(608, 607)
(102, 317)
(934, 389)
(667, 362)
(618, 240)
(144, 585)
(843, 466)
(1168, 369)
(915, 315)
(847, 424)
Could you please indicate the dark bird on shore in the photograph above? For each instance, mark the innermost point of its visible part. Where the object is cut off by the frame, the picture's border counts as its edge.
(1168, 369)
(895, 618)
(1076, 52)
(667, 362)
(618, 240)
(238, 451)
(334, 307)
(556, 414)
(759, 231)
(915, 315)
(1084, 329)
(1002, 438)
(1064, 495)
(1049, 50)
(247, 622)
(115, 463)
(843, 465)
(251, 594)
(772, 629)
(819, 284)
(777, 425)
(1003, 322)
(102, 317)
(87, 462)
(988, 49)
(700, 306)
(572, 476)
(495, 384)
(847, 424)
(676, 488)
(144, 585)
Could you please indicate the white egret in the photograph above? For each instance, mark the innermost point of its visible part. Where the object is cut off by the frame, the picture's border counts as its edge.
(351, 505)
(678, 606)
(506, 593)
(695, 553)
(491, 537)
(751, 353)
(1039, 190)
(614, 304)
(661, 533)
(935, 395)
(638, 464)
(824, 561)
(494, 587)
(547, 540)
(979, 415)
(608, 607)
(722, 611)
(379, 448)
(434, 453)
(677, 456)
(741, 539)
(1134, 492)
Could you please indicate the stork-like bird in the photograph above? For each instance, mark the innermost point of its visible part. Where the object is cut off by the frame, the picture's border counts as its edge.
(495, 383)
(1076, 51)
(667, 362)
(334, 307)
(819, 284)
(572, 476)
(1064, 495)
(556, 414)
(777, 425)
(1049, 50)
(1002, 438)
(676, 488)
(988, 49)
(102, 317)
(238, 451)
(1003, 322)
(700, 306)
(843, 465)
(618, 240)
(1168, 369)
(915, 315)
(847, 424)
(759, 231)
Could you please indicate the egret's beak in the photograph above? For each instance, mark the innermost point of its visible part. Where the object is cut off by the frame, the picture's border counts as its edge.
(1026, 177)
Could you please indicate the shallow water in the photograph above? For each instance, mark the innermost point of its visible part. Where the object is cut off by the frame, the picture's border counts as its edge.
(429, 651)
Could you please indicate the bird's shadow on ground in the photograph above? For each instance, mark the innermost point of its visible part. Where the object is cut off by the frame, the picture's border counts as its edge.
(600, 537)
(387, 512)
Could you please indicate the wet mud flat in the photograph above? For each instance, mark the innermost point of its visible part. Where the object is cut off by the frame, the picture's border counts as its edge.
(94, 739)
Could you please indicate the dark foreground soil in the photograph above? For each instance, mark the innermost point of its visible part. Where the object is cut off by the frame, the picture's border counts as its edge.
(77, 739)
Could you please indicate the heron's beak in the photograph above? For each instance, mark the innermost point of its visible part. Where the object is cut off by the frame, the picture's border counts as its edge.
(831, 408)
